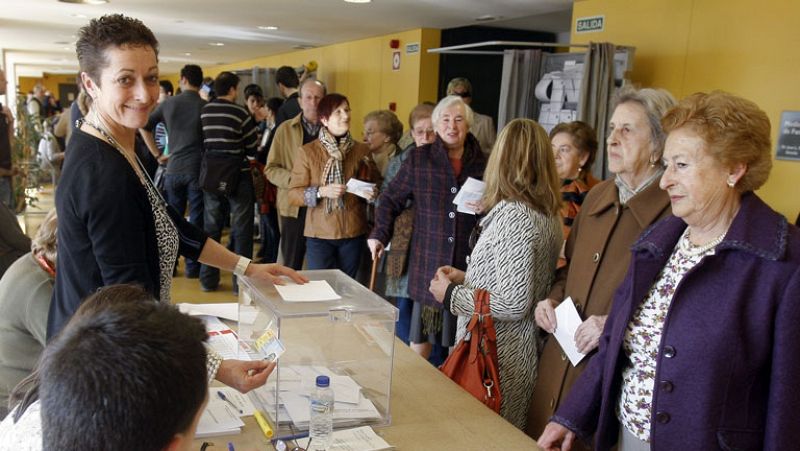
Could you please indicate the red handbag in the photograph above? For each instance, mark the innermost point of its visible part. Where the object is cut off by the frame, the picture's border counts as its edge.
(473, 362)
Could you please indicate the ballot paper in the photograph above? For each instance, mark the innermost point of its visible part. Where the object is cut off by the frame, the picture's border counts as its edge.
(313, 291)
(471, 191)
(360, 188)
(241, 401)
(357, 439)
(226, 310)
(567, 322)
(218, 418)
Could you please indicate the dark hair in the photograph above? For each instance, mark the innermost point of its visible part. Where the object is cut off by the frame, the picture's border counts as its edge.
(583, 137)
(253, 90)
(167, 86)
(224, 82)
(193, 74)
(274, 103)
(287, 76)
(128, 374)
(329, 103)
(113, 30)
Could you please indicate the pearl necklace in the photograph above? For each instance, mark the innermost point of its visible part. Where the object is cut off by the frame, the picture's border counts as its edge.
(691, 249)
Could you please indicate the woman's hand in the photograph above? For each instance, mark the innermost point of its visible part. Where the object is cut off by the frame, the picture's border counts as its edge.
(452, 274)
(244, 375)
(273, 272)
(372, 194)
(375, 248)
(438, 286)
(545, 315)
(332, 191)
(556, 437)
(476, 207)
(587, 336)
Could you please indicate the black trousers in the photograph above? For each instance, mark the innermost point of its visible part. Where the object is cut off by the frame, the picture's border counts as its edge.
(293, 239)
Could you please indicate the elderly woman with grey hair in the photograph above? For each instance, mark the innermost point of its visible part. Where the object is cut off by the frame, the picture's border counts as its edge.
(613, 215)
(25, 292)
(431, 176)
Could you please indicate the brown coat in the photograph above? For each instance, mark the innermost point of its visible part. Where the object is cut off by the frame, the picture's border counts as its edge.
(598, 252)
(288, 139)
(349, 222)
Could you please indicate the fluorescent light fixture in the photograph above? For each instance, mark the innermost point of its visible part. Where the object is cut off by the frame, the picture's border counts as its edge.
(187, 54)
(357, 1)
(216, 44)
(85, 2)
(268, 27)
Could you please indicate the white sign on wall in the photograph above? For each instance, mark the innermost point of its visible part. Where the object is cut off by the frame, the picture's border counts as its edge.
(590, 24)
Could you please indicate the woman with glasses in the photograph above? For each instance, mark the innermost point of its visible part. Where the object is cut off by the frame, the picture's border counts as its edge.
(513, 259)
(431, 176)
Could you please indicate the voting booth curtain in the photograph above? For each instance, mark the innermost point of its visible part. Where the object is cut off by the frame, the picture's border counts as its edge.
(520, 74)
(597, 92)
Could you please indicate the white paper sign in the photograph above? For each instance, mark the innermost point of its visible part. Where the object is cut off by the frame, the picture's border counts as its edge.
(567, 322)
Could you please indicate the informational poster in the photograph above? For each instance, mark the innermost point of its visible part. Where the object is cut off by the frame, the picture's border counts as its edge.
(396, 60)
(789, 136)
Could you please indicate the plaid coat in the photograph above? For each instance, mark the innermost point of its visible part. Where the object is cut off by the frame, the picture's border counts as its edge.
(440, 233)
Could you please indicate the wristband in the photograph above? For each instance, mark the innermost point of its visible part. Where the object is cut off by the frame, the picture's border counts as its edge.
(241, 266)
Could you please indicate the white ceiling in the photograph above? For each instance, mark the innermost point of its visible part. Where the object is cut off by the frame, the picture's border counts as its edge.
(38, 35)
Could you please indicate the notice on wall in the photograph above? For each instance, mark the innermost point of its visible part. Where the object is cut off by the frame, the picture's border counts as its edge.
(590, 24)
(789, 136)
(396, 60)
(412, 48)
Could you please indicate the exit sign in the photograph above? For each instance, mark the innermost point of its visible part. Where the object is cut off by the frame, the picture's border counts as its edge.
(590, 24)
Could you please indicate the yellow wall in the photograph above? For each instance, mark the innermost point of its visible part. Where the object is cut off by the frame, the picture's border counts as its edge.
(49, 81)
(362, 70)
(739, 46)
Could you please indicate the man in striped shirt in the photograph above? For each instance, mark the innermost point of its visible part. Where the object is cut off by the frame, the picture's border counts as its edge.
(228, 129)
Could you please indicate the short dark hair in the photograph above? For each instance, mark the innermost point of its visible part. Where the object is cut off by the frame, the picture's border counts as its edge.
(253, 90)
(224, 82)
(193, 74)
(113, 30)
(274, 103)
(167, 86)
(329, 103)
(128, 375)
(287, 76)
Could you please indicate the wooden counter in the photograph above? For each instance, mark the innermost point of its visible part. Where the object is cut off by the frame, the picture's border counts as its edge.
(429, 412)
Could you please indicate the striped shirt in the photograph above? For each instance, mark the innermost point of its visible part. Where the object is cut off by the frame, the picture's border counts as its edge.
(228, 128)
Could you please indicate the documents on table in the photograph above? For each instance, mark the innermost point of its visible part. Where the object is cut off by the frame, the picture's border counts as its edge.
(312, 291)
(356, 439)
(361, 188)
(471, 191)
(226, 310)
(225, 342)
(220, 418)
(567, 322)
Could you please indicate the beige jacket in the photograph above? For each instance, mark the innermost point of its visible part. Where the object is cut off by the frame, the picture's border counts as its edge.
(349, 222)
(288, 138)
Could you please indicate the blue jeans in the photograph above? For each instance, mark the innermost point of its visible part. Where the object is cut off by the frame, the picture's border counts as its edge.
(344, 254)
(242, 216)
(7, 193)
(182, 189)
(405, 305)
(270, 236)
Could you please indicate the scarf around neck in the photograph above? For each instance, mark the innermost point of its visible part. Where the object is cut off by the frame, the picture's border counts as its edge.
(337, 149)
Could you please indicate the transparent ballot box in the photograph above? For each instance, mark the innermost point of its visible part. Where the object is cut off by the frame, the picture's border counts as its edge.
(350, 339)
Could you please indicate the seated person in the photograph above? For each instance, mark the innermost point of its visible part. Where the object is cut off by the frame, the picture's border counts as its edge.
(13, 243)
(126, 373)
(25, 292)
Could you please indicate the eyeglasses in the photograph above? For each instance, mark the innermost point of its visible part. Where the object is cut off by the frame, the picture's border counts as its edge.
(422, 131)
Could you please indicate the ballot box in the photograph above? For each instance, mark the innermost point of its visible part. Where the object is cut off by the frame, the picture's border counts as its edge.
(333, 326)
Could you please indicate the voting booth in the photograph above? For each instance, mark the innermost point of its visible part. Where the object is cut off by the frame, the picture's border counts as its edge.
(332, 326)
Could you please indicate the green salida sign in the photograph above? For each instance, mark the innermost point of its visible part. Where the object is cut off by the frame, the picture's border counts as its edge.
(590, 24)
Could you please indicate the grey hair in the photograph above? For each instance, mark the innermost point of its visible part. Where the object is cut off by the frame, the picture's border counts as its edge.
(316, 82)
(448, 102)
(456, 82)
(44, 243)
(656, 102)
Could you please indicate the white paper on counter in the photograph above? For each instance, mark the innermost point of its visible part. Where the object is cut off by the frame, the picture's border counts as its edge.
(312, 291)
(218, 419)
(225, 310)
(360, 188)
(567, 322)
(471, 191)
(362, 438)
(242, 401)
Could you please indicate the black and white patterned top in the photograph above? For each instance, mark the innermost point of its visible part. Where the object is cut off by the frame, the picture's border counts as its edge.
(515, 261)
(166, 237)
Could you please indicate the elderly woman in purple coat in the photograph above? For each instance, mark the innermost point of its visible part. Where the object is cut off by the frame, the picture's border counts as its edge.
(431, 176)
(700, 350)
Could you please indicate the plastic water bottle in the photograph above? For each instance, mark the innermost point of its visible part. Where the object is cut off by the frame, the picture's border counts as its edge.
(320, 427)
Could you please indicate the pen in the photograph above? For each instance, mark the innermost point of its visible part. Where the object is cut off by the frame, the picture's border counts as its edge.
(290, 437)
(225, 398)
(230, 446)
(263, 424)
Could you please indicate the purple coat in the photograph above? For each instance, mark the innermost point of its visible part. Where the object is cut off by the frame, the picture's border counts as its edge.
(728, 370)
(440, 233)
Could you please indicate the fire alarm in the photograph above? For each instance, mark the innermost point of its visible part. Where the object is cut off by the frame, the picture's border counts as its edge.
(392, 106)
(394, 43)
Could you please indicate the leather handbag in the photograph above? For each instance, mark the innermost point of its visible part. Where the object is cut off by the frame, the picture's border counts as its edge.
(473, 362)
(220, 173)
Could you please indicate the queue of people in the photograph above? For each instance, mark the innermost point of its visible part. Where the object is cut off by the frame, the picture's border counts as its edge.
(685, 280)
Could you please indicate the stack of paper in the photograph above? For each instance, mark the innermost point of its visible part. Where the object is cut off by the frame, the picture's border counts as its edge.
(357, 439)
(222, 417)
(471, 192)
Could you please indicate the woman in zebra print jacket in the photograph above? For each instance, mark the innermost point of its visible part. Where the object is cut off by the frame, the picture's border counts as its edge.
(514, 258)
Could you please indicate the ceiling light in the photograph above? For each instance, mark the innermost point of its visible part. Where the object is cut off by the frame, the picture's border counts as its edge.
(187, 54)
(357, 1)
(85, 2)
(67, 48)
(79, 16)
(216, 44)
(267, 27)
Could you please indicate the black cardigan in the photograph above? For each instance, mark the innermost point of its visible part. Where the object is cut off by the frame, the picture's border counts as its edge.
(106, 230)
